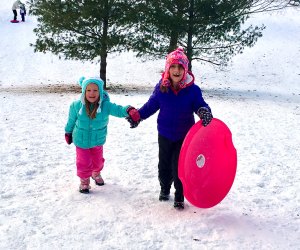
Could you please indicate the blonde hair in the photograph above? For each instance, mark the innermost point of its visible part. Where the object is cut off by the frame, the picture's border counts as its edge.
(91, 112)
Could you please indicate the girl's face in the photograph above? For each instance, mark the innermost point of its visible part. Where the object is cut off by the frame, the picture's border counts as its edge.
(176, 72)
(92, 93)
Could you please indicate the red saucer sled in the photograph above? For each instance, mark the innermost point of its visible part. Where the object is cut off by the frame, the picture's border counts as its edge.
(207, 163)
(14, 21)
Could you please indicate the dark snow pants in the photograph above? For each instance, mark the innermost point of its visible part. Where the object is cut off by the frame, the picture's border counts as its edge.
(168, 166)
(15, 14)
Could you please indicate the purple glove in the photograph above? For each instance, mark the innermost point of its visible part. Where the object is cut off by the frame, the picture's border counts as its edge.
(68, 138)
(205, 115)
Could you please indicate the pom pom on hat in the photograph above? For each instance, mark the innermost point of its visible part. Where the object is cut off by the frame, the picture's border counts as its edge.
(84, 82)
(175, 57)
(80, 81)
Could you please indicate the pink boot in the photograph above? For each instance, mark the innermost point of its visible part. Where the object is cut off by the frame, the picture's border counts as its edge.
(97, 178)
(84, 186)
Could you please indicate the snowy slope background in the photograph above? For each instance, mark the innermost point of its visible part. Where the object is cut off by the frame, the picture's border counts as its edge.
(258, 97)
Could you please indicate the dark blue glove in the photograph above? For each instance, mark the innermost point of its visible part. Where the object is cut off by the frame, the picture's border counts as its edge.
(205, 115)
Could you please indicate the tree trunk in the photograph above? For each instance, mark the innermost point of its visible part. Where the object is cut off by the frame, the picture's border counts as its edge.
(189, 52)
(103, 50)
(173, 41)
(103, 69)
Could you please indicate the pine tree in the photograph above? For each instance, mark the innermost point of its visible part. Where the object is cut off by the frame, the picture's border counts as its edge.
(82, 29)
(210, 30)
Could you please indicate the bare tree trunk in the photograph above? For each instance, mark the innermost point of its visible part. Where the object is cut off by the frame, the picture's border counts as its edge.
(189, 51)
(103, 51)
(173, 41)
(103, 65)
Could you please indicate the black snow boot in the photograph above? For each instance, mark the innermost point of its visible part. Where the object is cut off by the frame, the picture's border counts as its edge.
(164, 195)
(179, 205)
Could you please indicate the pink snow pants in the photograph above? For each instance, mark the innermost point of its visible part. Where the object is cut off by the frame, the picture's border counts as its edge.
(88, 161)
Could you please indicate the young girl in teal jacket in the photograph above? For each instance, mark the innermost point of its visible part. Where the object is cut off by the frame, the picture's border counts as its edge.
(87, 129)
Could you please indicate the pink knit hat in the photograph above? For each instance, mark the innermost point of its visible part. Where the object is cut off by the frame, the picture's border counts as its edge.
(175, 57)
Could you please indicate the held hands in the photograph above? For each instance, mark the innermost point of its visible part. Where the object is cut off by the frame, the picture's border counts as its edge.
(133, 117)
(68, 138)
(205, 115)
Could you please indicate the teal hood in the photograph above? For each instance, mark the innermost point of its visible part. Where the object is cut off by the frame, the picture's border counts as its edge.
(84, 82)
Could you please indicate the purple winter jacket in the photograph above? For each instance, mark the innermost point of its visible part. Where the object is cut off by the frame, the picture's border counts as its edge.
(176, 111)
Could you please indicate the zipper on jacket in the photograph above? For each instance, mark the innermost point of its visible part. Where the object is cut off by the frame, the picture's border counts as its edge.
(90, 133)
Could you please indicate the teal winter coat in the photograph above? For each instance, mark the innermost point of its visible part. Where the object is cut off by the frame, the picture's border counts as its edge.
(87, 132)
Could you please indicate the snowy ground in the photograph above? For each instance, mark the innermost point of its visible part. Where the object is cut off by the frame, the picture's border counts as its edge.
(258, 97)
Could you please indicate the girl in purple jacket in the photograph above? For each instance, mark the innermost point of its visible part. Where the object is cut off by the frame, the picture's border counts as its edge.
(177, 98)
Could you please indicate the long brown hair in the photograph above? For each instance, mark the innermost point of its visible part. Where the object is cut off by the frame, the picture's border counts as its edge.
(91, 112)
(163, 89)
